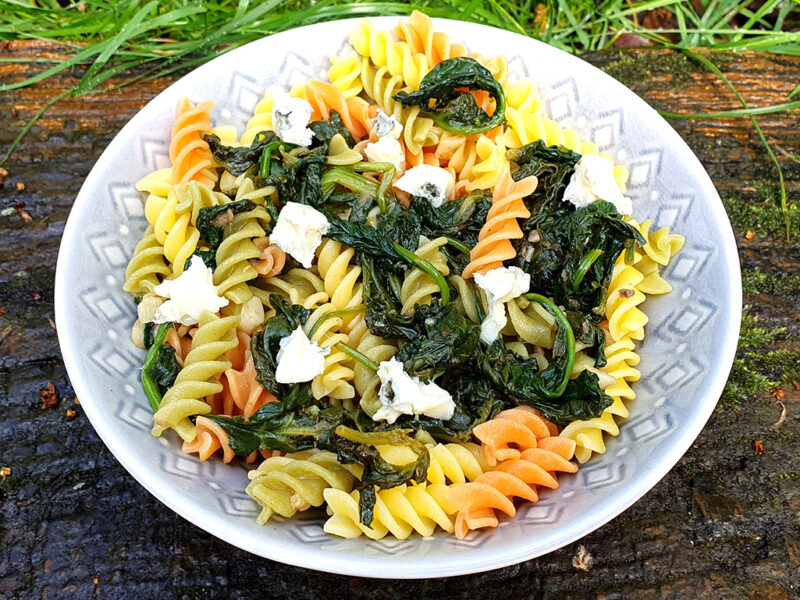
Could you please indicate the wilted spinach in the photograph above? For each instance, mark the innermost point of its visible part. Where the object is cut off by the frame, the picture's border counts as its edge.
(378, 244)
(590, 334)
(569, 252)
(459, 220)
(209, 258)
(298, 176)
(211, 222)
(382, 299)
(274, 427)
(455, 109)
(552, 166)
(165, 369)
(325, 130)
(445, 340)
(149, 385)
(353, 446)
(401, 226)
(238, 159)
(265, 344)
(566, 235)
(279, 427)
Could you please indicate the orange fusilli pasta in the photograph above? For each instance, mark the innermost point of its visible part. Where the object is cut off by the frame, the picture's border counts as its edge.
(271, 259)
(494, 241)
(190, 156)
(325, 97)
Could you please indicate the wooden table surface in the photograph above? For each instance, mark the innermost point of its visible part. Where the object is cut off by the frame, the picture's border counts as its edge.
(724, 523)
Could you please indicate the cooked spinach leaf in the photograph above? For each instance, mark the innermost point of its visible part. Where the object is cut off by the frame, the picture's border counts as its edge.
(353, 446)
(383, 315)
(274, 427)
(566, 237)
(149, 385)
(520, 377)
(277, 426)
(148, 334)
(211, 221)
(165, 369)
(590, 334)
(361, 237)
(552, 166)
(582, 399)
(298, 176)
(238, 159)
(445, 340)
(401, 226)
(460, 219)
(375, 243)
(455, 109)
(325, 130)
(265, 344)
(209, 258)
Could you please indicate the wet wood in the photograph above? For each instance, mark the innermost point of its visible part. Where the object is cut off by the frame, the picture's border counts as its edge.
(722, 524)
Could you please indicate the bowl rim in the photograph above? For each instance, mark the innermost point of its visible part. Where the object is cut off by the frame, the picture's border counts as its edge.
(406, 567)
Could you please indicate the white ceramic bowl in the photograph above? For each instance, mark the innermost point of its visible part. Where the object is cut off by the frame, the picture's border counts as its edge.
(686, 357)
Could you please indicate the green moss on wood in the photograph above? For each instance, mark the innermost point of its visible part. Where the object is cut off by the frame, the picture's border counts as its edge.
(755, 371)
(755, 282)
(753, 335)
(743, 383)
(763, 216)
(644, 66)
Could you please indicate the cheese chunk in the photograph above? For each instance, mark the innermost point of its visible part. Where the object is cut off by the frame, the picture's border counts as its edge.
(290, 117)
(387, 150)
(299, 231)
(593, 180)
(299, 359)
(501, 285)
(401, 394)
(432, 183)
(384, 125)
(189, 295)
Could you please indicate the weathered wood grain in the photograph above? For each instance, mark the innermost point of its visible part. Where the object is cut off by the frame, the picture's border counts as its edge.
(722, 524)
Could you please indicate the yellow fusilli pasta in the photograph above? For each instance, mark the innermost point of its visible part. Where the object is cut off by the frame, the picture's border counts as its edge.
(285, 485)
(419, 287)
(145, 266)
(234, 253)
(197, 379)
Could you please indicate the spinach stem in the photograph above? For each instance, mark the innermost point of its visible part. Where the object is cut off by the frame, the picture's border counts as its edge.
(563, 328)
(424, 265)
(461, 247)
(348, 178)
(266, 159)
(148, 384)
(355, 354)
(586, 262)
(387, 170)
(335, 313)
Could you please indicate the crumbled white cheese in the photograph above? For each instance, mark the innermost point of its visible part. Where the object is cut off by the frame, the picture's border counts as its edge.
(387, 150)
(299, 231)
(290, 117)
(401, 394)
(299, 359)
(501, 285)
(386, 126)
(189, 295)
(593, 180)
(432, 183)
